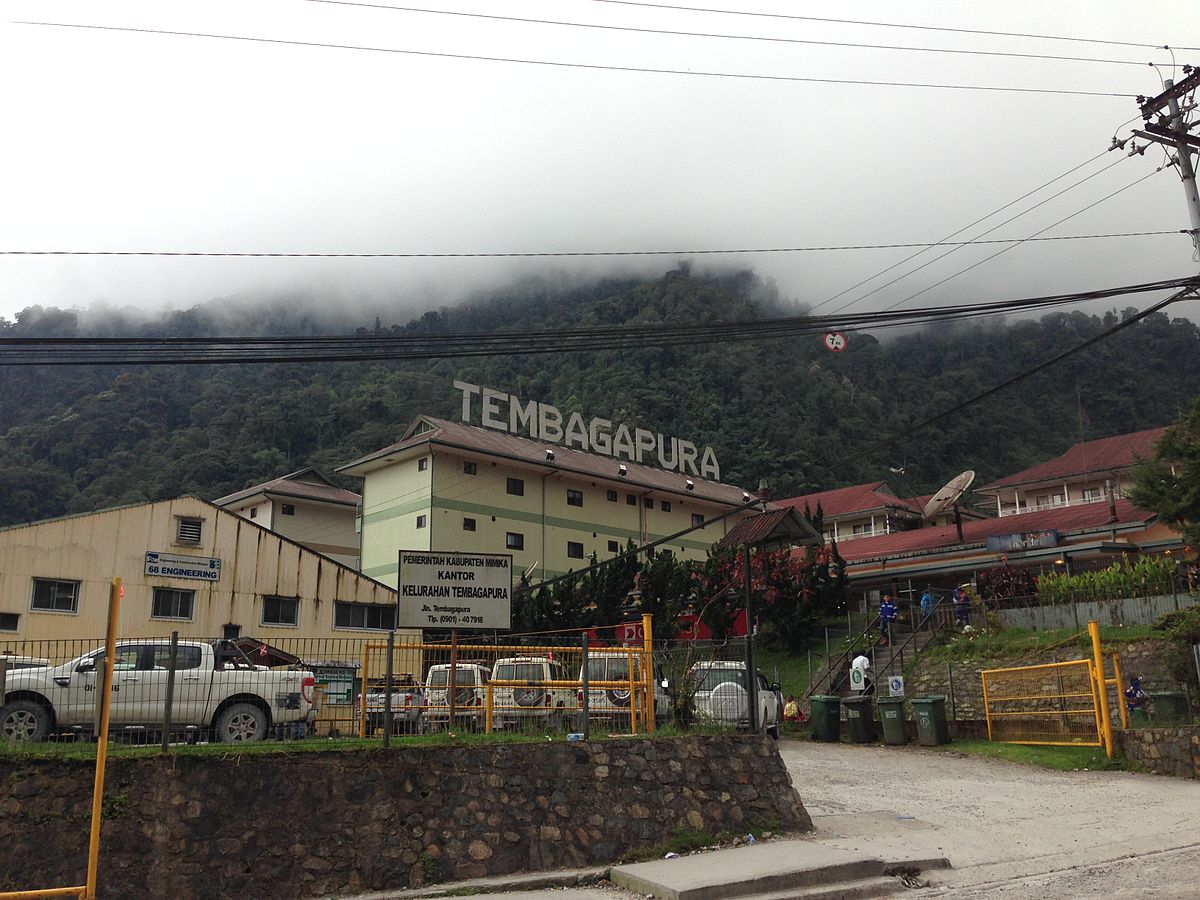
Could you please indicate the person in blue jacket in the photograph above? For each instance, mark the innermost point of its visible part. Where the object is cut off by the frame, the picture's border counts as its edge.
(887, 615)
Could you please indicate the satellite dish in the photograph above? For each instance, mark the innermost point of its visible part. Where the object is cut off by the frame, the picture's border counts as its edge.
(948, 495)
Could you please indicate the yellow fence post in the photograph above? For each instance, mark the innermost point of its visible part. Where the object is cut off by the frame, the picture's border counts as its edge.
(648, 669)
(362, 693)
(487, 710)
(1102, 688)
(110, 651)
(987, 709)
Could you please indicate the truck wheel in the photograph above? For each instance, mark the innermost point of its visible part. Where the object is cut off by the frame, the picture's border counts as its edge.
(24, 720)
(241, 723)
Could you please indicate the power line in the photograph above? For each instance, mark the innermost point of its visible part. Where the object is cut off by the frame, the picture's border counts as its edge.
(948, 30)
(391, 347)
(501, 254)
(1016, 379)
(954, 234)
(598, 67)
(723, 36)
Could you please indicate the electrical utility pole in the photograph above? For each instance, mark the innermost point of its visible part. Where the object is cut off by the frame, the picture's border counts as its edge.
(1173, 128)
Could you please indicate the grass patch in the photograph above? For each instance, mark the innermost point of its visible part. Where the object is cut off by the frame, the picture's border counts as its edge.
(1064, 759)
(1016, 642)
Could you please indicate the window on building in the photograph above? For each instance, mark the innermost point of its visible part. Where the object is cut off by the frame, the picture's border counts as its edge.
(371, 616)
(172, 603)
(469, 468)
(666, 506)
(288, 509)
(422, 463)
(422, 521)
(514, 540)
(613, 547)
(55, 596)
(516, 487)
(574, 498)
(188, 530)
(254, 512)
(649, 501)
(1056, 499)
(575, 549)
(9, 621)
(697, 520)
(1091, 495)
(281, 610)
(612, 496)
(862, 529)
(631, 499)
(468, 524)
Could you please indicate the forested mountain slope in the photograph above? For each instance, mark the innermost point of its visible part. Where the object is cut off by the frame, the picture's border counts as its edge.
(76, 439)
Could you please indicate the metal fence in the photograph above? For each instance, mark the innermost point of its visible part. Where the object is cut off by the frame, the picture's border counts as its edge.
(170, 690)
(1056, 703)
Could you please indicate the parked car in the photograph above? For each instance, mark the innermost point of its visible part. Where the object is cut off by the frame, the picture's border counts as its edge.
(470, 694)
(407, 704)
(216, 687)
(13, 662)
(530, 698)
(612, 703)
(721, 695)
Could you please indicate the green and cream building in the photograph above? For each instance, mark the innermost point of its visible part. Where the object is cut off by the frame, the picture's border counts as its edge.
(455, 486)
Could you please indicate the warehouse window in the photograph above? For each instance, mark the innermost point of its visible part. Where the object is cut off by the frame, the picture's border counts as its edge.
(469, 468)
(468, 524)
(8, 621)
(55, 596)
(575, 549)
(516, 487)
(281, 610)
(171, 603)
(613, 547)
(514, 541)
(188, 530)
(370, 616)
(574, 498)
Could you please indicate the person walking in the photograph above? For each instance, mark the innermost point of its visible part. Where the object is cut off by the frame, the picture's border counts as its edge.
(887, 615)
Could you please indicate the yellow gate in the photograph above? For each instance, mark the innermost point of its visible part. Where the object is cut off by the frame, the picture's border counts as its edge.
(1055, 703)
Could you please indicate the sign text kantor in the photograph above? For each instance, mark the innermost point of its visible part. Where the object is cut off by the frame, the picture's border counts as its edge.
(455, 590)
(504, 412)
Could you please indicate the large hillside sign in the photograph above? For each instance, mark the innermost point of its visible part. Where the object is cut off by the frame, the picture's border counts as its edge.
(455, 590)
(504, 412)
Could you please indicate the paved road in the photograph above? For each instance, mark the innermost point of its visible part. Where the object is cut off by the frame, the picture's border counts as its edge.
(1010, 831)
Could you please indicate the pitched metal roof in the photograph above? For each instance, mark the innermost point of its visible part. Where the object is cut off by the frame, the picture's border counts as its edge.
(858, 498)
(1080, 517)
(775, 526)
(474, 439)
(1099, 457)
(306, 484)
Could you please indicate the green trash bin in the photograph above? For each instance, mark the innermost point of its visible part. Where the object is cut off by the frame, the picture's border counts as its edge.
(1167, 707)
(860, 718)
(826, 718)
(891, 715)
(931, 721)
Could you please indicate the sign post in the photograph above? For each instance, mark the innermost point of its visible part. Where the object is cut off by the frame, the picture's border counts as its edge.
(455, 590)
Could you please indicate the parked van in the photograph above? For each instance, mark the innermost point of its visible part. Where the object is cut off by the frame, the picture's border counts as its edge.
(612, 703)
(531, 701)
(722, 695)
(470, 694)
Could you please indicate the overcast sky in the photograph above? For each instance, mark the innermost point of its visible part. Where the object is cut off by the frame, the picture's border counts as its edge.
(135, 141)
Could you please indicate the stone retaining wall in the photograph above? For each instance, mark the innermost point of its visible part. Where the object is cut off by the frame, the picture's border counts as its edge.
(320, 823)
(1165, 751)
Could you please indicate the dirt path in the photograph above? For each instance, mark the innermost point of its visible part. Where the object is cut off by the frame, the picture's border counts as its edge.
(997, 821)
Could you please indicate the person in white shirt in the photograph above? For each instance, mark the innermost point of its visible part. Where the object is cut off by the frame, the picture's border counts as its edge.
(862, 664)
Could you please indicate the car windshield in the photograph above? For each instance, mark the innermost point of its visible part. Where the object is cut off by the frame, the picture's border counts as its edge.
(441, 677)
(518, 672)
(707, 679)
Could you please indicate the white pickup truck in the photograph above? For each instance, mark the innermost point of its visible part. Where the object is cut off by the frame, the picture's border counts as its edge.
(216, 686)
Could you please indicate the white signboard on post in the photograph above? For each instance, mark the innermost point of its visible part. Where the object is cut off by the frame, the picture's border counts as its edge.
(455, 590)
(857, 679)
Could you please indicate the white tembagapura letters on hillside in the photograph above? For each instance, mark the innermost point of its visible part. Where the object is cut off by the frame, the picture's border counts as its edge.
(504, 412)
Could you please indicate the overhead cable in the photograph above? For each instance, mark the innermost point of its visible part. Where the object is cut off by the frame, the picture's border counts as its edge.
(599, 67)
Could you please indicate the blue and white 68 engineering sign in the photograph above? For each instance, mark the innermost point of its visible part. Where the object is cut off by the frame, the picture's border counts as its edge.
(172, 565)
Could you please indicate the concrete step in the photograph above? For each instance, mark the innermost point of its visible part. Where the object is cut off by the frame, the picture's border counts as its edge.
(862, 889)
(777, 868)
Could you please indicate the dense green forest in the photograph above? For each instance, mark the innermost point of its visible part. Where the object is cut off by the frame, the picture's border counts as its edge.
(789, 411)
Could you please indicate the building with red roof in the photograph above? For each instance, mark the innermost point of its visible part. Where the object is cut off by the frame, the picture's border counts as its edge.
(1080, 475)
